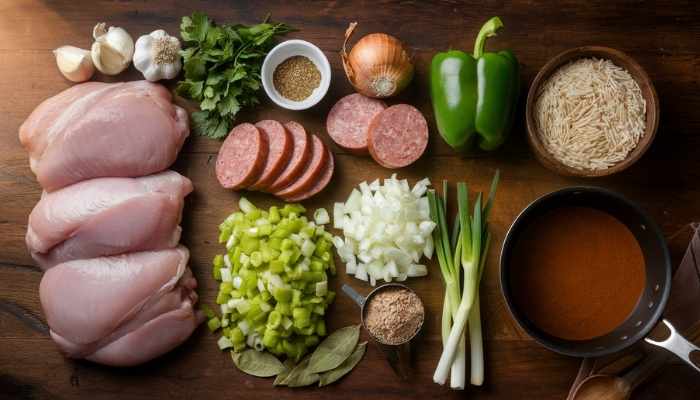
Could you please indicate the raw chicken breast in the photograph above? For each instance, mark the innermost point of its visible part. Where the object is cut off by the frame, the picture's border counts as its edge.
(103, 129)
(107, 216)
(121, 310)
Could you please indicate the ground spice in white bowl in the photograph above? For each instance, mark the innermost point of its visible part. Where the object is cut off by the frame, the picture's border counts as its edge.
(394, 315)
(296, 78)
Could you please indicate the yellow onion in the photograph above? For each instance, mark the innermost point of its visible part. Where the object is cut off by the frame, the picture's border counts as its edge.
(378, 65)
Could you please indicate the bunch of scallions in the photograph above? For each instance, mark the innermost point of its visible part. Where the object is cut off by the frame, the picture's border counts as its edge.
(461, 253)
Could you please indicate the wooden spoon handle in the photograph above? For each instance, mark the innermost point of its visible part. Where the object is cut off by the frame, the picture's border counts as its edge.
(586, 369)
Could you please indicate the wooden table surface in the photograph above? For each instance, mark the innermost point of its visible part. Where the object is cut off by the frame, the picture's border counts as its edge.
(663, 36)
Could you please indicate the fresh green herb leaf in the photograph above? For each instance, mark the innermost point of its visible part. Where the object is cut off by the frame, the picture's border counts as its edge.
(194, 28)
(190, 89)
(257, 363)
(228, 105)
(209, 124)
(334, 349)
(340, 371)
(209, 103)
(222, 69)
(195, 69)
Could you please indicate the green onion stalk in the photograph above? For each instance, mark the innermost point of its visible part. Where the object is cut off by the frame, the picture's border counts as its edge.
(470, 240)
(451, 275)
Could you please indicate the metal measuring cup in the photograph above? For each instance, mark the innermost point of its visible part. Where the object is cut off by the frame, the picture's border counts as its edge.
(398, 355)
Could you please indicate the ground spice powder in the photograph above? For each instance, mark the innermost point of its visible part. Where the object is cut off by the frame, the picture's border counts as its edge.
(394, 315)
(296, 78)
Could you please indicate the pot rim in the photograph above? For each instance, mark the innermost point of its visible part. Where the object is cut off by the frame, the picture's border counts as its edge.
(652, 227)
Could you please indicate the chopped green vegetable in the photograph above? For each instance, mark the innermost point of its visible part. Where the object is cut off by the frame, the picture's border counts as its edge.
(224, 343)
(214, 324)
(273, 290)
(321, 216)
(222, 69)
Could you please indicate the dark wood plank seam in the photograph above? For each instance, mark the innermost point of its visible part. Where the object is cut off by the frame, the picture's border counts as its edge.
(23, 315)
(32, 268)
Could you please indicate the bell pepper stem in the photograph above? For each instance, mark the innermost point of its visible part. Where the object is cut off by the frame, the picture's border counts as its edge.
(489, 29)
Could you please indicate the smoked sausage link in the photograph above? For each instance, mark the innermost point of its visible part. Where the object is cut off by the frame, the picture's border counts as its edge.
(349, 119)
(301, 152)
(312, 172)
(241, 157)
(280, 150)
(398, 136)
(320, 184)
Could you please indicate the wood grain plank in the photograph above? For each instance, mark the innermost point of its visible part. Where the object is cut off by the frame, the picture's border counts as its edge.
(185, 373)
(20, 310)
(661, 36)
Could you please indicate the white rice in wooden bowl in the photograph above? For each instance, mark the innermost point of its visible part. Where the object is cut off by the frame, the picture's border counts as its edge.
(590, 114)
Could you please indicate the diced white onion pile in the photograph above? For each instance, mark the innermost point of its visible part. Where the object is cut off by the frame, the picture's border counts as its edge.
(386, 229)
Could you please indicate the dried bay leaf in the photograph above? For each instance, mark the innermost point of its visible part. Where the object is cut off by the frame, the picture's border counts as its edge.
(300, 375)
(257, 363)
(288, 365)
(340, 371)
(295, 369)
(334, 349)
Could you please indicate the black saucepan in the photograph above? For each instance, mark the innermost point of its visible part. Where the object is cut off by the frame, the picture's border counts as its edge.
(650, 306)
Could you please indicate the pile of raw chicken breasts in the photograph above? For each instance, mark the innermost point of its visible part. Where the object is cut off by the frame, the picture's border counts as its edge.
(117, 288)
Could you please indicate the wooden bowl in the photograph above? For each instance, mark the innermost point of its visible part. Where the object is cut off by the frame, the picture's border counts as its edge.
(620, 59)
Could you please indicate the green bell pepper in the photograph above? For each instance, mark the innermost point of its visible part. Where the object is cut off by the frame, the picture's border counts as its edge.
(474, 96)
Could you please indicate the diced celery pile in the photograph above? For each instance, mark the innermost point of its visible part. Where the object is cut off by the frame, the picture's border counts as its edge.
(273, 289)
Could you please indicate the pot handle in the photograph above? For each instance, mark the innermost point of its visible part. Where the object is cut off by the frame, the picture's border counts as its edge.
(677, 345)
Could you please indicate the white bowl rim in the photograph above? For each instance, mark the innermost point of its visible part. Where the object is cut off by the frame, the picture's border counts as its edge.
(319, 93)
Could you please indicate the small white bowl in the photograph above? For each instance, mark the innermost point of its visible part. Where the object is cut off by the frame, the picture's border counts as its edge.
(282, 52)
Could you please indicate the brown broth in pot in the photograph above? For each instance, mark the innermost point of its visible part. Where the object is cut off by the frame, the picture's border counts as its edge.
(577, 273)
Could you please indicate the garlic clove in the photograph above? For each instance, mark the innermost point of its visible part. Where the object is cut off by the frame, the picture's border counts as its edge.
(159, 33)
(152, 73)
(112, 50)
(157, 56)
(170, 71)
(99, 30)
(74, 63)
(142, 54)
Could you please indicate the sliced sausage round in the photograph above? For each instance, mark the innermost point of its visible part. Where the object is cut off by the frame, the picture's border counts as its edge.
(349, 119)
(301, 151)
(398, 136)
(313, 170)
(320, 184)
(241, 157)
(280, 150)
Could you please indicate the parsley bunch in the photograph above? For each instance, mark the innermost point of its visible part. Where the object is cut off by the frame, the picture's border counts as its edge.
(222, 69)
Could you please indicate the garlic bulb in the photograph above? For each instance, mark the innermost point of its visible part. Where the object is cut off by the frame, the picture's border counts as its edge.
(74, 63)
(112, 49)
(378, 65)
(157, 56)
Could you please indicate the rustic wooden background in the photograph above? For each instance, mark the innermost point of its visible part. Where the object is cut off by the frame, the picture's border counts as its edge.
(663, 36)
